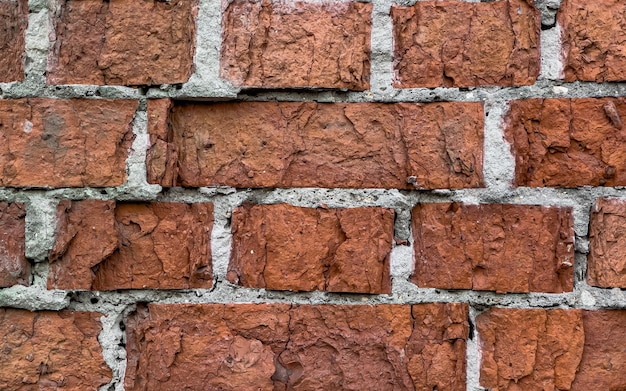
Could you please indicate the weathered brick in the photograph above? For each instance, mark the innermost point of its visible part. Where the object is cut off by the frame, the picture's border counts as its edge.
(14, 268)
(101, 245)
(530, 349)
(13, 23)
(504, 248)
(282, 346)
(606, 262)
(337, 145)
(123, 42)
(593, 40)
(568, 142)
(51, 351)
(64, 143)
(285, 247)
(465, 44)
(283, 44)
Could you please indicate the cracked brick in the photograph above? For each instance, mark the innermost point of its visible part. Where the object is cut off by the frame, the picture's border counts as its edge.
(567, 142)
(502, 248)
(334, 145)
(65, 142)
(284, 247)
(122, 42)
(466, 44)
(13, 23)
(297, 347)
(606, 262)
(279, 44)
(14, 268)
(48, 350)
(104, 245)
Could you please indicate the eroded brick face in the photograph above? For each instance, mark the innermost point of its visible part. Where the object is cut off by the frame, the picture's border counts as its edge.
(64, 142)
(285, 247)
(123, 42)
(14, 268)
(466, 44)
(51, 351)
(101, 245)
(503, 248)
(567, 142)
(335, 145)
(593, 40)
(288, 347)
(13, 23)
(606, 262)
(283, 44)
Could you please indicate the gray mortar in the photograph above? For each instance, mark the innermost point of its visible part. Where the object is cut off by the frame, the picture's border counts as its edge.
(205, 84)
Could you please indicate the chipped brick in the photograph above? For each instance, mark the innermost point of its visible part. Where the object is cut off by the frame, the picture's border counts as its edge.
(606, 262)
(14, 268)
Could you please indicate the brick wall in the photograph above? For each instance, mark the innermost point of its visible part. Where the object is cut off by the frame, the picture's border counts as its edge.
(312, 195)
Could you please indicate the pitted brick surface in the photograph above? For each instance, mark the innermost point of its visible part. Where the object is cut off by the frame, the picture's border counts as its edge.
(285, 247)
(466, 44)
(504, 248)
(283, 44)
(340, 145)
(14, 268)
(606, 262)
(13, 23)
(101, 245)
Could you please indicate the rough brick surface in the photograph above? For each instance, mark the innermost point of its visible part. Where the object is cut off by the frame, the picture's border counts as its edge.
(51, 351)
(593, 40)
(465, 44)
(285, 247)
(64, 143)
(13, 23)
(14, 268)
(603, 364)
(123, 42)
(531, 349)
(284, 347)
(344, 145)
(606, 262)
(568, 142)
(102, 245)
(504, 248)
(283, 44)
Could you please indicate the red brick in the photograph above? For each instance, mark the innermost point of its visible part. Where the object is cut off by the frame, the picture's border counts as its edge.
(463, 44)
(282, 44)
(502, 248)
(593, 40)
(101, 245)
(14, 268)
(337, 145)
(531, 349)
(13, 23)
(285, 247)
(123, 42)
(51, 351)
(286, 347)
(64, 143)
(606, 262)
(568, 142)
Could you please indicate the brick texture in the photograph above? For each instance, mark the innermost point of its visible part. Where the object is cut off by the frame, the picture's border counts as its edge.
(282, 346)
(13, 23)
(538, 349)
(51, 351)
(64, 143)
(466, 44)
(14, 268)
(606, 262)
(341, 145)
(123, 42)
(102, 245)
(503, 248)
(593, 40)
(285, 247)
(282, 44)
(568, 142)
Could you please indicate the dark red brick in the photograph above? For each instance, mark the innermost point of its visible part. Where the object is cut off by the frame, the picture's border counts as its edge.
(13, 23)
(14, 268)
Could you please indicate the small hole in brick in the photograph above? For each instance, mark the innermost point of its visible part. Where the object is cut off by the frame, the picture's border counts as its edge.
(94, 300)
